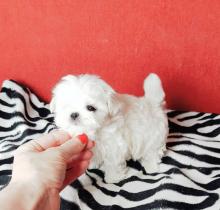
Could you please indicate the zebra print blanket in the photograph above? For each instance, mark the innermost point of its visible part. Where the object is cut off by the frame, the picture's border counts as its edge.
(190, 171)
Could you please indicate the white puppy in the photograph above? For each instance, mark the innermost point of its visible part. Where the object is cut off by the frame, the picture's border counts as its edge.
(123, 126)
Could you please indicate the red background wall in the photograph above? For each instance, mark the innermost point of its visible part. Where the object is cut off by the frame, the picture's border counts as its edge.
(120, 40)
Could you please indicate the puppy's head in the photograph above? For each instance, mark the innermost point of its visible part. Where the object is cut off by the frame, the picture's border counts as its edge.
(82, 103)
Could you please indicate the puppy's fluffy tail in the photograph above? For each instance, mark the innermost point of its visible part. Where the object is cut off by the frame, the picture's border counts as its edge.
(153, 89)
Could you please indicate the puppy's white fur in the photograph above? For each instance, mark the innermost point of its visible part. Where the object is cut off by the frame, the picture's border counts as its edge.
(123, 126)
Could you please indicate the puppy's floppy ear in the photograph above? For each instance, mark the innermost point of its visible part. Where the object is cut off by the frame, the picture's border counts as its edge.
(68, 77)
(59, 86)
(52, 105)
(113, 105)
(112, 102)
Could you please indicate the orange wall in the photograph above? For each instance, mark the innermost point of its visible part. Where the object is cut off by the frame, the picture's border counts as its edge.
(41, 40)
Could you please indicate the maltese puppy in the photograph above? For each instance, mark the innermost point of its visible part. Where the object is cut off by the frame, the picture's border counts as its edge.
(123, 126)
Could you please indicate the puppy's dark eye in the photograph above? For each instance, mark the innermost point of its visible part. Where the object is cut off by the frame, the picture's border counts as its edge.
(91, 108)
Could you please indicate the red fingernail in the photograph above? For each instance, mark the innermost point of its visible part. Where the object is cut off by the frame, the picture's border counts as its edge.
(83, 138)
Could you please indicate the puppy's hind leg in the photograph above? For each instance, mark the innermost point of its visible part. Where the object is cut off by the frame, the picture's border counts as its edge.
(115, 166)
(151, 158)
(151, 161)
(115, 172)
(150, 166)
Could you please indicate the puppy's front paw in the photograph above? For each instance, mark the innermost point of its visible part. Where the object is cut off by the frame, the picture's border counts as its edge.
(114, 177)
(94, 164)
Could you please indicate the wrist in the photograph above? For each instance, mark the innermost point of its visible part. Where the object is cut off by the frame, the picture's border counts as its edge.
(23, 196)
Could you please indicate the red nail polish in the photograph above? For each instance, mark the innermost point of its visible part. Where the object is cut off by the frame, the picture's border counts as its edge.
(83, 138)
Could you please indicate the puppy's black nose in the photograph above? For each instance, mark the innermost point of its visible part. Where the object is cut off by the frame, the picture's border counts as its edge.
(74, 115)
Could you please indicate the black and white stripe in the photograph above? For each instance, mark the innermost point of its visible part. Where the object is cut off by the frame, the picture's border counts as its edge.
(189, 175)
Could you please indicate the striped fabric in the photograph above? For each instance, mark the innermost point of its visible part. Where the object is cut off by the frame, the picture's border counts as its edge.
(189, 176)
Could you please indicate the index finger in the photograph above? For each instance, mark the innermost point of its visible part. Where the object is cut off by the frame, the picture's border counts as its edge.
(53, 139)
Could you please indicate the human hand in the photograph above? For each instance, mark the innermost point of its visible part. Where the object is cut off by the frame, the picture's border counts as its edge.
(48, 164)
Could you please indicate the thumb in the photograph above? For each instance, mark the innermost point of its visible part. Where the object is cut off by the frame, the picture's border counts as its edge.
(73, 146)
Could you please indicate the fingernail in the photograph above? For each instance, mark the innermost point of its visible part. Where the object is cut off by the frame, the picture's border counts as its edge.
(83, 138)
